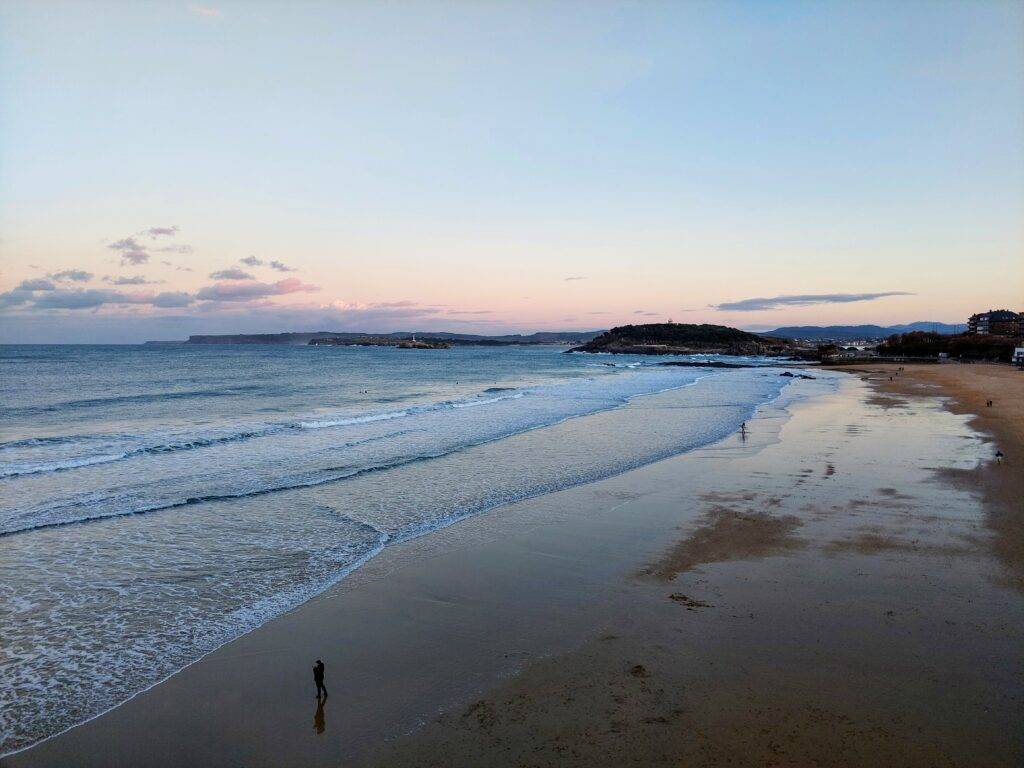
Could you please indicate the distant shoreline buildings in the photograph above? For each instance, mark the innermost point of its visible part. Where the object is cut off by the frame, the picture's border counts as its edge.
(996, 322)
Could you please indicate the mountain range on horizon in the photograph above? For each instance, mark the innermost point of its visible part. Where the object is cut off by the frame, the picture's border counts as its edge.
(851, 332)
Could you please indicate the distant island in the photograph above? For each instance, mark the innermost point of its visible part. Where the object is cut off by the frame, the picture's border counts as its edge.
(382, 341)
(390, 339)
(684, 339)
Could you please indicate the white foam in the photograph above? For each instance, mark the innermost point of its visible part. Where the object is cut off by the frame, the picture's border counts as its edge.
(486, 401)
(353, 420)
(84, 461)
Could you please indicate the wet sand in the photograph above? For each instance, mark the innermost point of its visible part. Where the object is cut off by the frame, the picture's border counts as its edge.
(855, 608)
(839, 588)
(966, 390)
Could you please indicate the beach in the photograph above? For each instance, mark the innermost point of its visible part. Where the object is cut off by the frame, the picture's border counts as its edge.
(968, 389)
(511, 385)
(838, 586)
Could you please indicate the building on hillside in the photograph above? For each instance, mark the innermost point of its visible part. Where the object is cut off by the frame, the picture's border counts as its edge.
(996, 322)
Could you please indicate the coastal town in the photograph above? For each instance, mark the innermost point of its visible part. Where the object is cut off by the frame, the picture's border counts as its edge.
(994, 335)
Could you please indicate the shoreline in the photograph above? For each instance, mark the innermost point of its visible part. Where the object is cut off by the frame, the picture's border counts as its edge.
(650, 398)
(352, 568)
(500, 624)
(665, 716)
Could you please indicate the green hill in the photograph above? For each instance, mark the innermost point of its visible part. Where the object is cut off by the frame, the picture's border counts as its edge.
(683, 339)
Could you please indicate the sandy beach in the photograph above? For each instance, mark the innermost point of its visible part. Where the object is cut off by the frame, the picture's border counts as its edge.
(841, 586)
(967, 390)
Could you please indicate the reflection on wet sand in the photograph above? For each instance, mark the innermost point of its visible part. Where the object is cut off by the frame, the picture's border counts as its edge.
(968, 389)
(877, 636)
(319, 724)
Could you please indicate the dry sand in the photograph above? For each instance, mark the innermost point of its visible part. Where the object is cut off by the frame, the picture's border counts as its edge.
(839, 588)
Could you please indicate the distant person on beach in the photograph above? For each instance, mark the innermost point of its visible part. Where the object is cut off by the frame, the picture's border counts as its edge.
(999, 457)
(318, 678)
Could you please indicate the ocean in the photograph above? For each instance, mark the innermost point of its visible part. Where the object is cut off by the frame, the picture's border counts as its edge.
(158, 501)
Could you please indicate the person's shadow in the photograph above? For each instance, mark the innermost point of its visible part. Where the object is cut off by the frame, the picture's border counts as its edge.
(318, 719)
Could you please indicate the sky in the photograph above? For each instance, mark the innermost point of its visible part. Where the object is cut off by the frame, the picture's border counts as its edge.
(170, 168)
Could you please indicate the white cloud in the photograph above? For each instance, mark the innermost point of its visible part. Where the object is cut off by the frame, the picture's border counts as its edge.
(206, 11)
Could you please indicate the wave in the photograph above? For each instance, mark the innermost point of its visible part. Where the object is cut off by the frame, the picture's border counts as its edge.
(31, 442)
(485, 401)
(58, 466)
(16, 470)
(340, 473)
(147, 398)
(191, 443)
(414, 411)
(84, 510)
(328, 475)
(323, 424)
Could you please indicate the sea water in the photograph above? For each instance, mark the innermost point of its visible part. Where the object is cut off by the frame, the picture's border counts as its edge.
(158, 501)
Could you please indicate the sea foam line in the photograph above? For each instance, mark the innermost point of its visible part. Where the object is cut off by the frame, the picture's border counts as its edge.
(16, 470)
(335, 474)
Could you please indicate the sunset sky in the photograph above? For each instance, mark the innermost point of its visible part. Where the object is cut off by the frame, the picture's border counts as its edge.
(171, 168)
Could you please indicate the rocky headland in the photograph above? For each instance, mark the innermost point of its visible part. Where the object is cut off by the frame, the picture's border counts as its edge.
(684, 339)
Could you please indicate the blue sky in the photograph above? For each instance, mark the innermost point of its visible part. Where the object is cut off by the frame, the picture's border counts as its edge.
(453, 165)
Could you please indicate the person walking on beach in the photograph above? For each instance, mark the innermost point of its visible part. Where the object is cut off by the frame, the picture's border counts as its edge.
(318, 678)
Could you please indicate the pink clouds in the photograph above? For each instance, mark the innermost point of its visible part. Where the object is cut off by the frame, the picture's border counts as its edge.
(41, 294)
(92, 298)
(155, 232)
(253, 289)
(132, 252)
